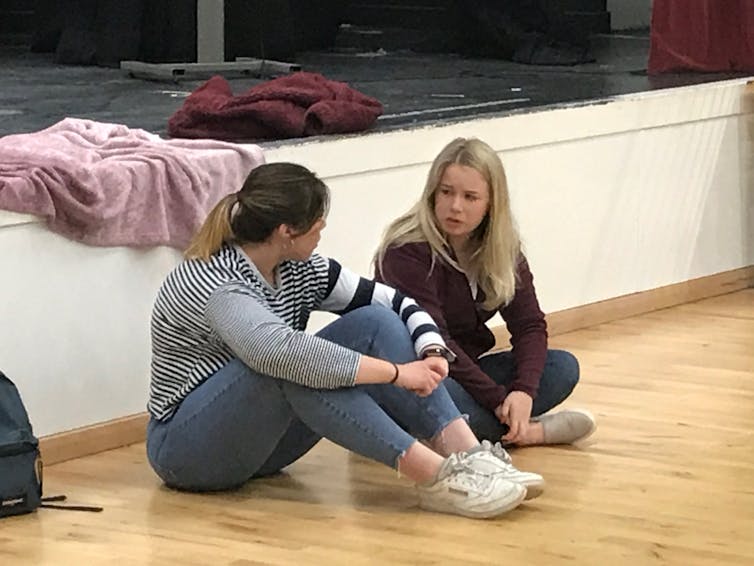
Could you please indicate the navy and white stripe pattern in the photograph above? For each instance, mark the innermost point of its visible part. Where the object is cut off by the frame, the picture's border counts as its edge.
(210, 312)
(349, 291)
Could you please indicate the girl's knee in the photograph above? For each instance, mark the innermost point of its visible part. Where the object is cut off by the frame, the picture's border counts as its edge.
(373, 330)
(378, 316)
(382, 322)
(566, 367)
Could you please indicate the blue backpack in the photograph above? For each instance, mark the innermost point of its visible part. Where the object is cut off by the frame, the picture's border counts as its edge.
(20, 464)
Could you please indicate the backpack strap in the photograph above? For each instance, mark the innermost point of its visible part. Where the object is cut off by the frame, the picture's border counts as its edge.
(47, 502)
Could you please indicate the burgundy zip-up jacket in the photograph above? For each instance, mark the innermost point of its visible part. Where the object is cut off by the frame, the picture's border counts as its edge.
(444, 293)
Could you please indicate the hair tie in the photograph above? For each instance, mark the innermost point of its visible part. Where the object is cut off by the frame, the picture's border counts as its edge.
(234, 202)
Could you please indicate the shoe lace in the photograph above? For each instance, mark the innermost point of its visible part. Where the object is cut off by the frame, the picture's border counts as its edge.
(498, 451)
(463, 474)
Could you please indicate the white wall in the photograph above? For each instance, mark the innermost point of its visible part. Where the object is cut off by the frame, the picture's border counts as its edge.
(627, 14)
(612, 198)
(74, 325)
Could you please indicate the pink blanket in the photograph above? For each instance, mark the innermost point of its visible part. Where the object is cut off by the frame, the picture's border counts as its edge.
(108, 185)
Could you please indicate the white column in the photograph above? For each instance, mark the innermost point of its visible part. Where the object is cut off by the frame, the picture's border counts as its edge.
(210, 31)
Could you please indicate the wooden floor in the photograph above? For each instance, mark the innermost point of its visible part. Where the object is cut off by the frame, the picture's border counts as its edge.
(667, 479)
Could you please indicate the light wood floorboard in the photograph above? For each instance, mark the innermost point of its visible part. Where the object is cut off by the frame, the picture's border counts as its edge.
(667, 479)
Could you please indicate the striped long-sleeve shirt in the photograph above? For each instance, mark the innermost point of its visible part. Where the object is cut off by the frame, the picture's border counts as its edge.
(210, 312)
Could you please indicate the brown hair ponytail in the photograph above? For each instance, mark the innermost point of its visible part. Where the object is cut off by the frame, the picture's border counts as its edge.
(214, 232)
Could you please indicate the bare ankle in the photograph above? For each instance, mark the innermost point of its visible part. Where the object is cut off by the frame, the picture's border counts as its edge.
(456, 437)
(535, 434)
(420, 463)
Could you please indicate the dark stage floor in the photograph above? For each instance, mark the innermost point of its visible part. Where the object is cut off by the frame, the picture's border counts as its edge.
(414, 88)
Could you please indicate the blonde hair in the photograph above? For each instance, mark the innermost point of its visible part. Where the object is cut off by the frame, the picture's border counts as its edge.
(273, 194)
(494, 262)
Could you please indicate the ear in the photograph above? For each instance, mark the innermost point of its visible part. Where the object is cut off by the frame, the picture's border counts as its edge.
(285, 231)
(280, 234)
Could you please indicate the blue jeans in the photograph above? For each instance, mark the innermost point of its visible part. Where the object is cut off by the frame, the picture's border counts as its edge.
(240, 424)
(560, 376)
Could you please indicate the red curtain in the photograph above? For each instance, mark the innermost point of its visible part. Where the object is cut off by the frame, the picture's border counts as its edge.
(702, 35)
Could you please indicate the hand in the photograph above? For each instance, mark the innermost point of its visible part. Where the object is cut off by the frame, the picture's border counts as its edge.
(421, 376)
(438, 364)
(515, 411)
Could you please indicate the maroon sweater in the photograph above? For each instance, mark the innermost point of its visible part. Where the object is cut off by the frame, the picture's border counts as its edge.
(445, 294)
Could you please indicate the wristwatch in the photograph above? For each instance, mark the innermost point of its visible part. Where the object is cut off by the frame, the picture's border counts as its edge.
(439, 351)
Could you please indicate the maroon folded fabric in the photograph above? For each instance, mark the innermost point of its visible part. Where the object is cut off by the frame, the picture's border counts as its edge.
(702, 35)
(296, 105)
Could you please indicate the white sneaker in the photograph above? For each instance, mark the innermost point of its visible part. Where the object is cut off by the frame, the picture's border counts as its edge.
(494, 459)
(461, 490)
